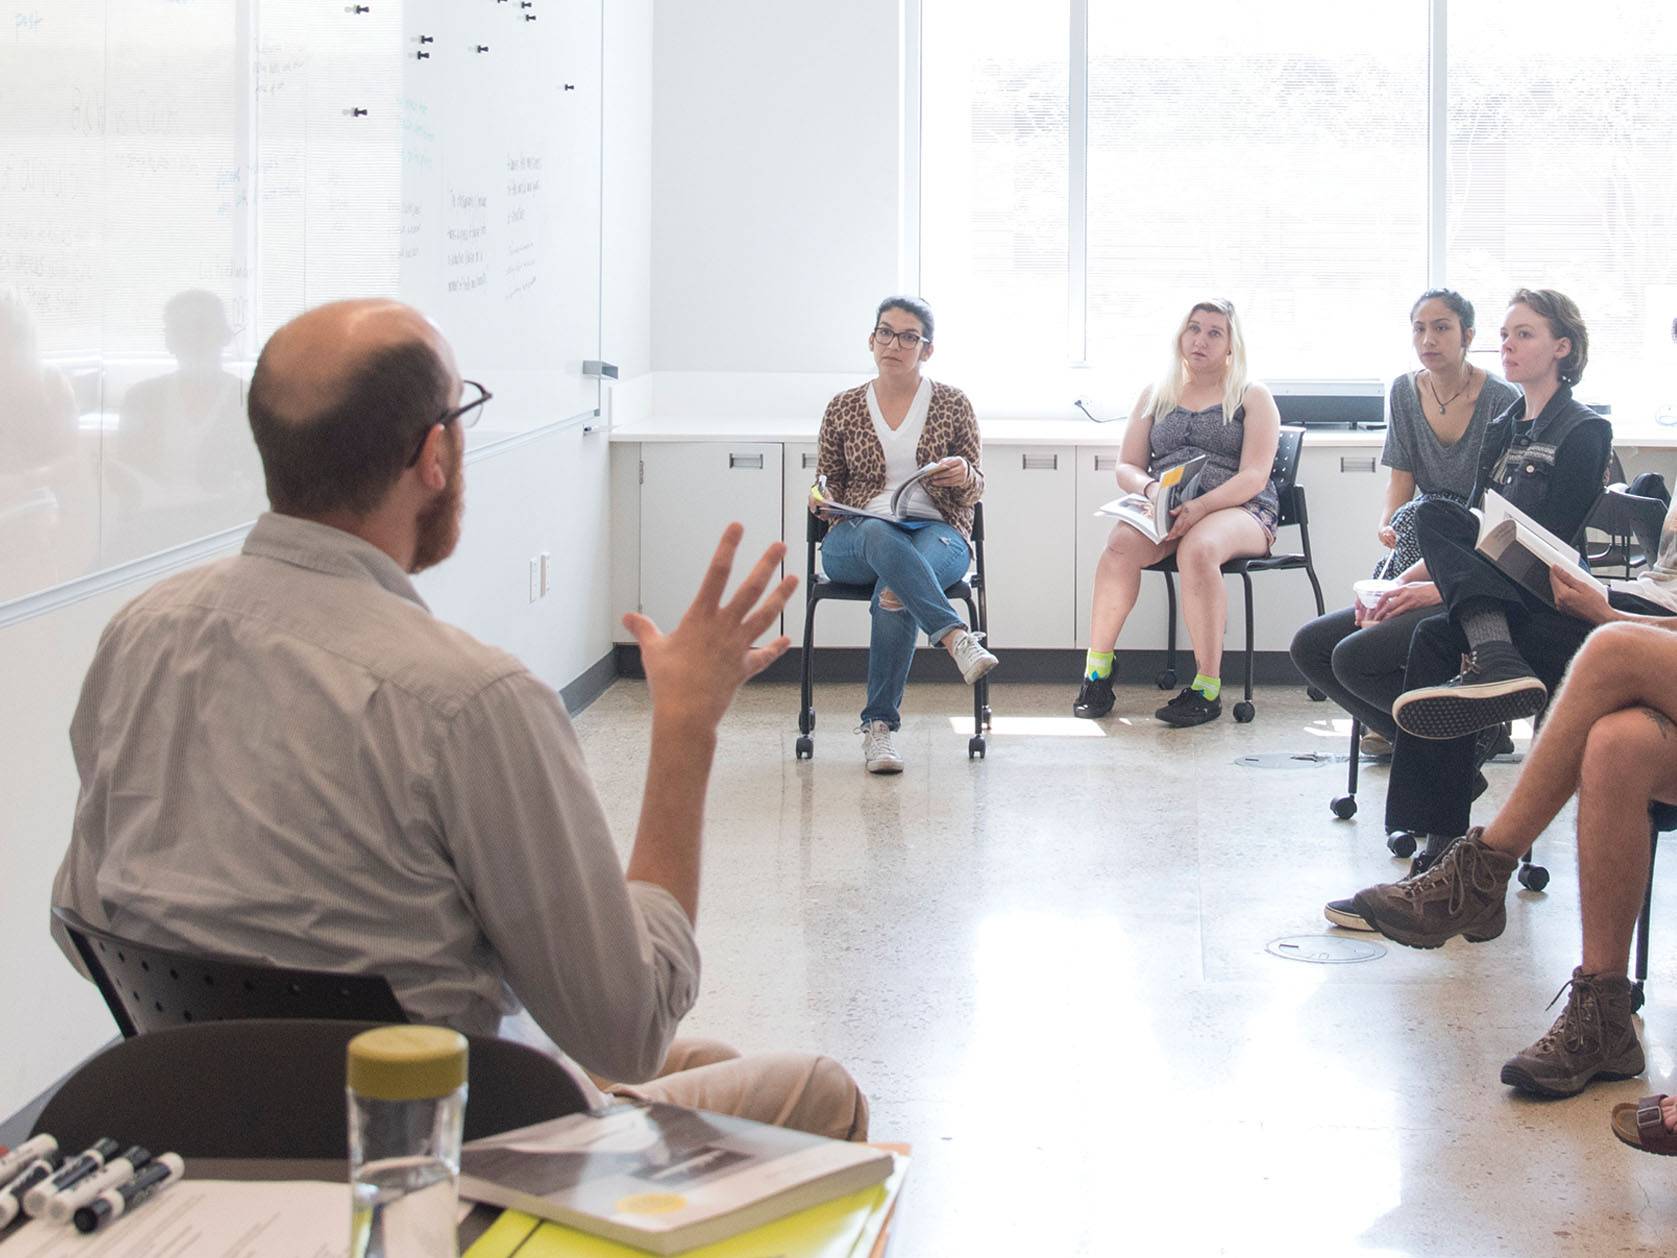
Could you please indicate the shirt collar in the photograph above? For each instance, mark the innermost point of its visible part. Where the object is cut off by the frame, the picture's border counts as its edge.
(322, 548)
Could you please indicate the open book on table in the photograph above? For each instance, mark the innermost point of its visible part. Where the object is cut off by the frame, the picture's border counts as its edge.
(896, 511)
(1523, 549)
(662, 1178)
(1151, 519)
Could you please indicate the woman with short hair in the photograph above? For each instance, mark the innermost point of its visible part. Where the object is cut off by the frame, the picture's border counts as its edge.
(1204, 403)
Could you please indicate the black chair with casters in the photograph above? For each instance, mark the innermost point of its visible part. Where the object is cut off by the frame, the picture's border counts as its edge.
(1402, 843)
(1662, 818)
(150, 988)
(274, 1088)
(817, 589)
(1293, 512)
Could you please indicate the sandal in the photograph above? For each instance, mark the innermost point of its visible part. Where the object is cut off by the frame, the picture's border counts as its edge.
(1642, 1126)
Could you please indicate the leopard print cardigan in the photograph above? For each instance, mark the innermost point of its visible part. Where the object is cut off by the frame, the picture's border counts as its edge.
(853, 461)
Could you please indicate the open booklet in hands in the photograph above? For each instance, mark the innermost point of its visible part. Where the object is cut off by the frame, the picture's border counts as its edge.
(1151, 517)
(896, 511)
(1523, 549)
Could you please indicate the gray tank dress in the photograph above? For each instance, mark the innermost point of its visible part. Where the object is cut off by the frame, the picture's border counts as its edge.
(1181, 434)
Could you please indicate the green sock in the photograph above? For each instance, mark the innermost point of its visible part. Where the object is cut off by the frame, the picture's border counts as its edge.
(1097, 664)
(1210, 687)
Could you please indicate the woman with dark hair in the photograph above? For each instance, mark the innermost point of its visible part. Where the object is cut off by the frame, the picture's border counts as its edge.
(1436, 418)
(874, 438)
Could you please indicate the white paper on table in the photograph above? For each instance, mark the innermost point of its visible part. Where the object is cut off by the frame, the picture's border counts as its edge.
(208, 1218)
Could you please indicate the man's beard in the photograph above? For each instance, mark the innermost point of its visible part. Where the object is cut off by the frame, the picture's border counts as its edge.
(439, 524)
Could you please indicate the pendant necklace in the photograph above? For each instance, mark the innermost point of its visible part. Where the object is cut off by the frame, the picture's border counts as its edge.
(1433, 389)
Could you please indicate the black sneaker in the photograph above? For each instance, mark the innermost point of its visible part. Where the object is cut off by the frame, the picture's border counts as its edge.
(1094, 698)
(1495, 685)
(1343, 913)
(1190, 708)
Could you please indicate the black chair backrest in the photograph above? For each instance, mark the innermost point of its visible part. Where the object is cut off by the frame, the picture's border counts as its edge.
(273, 1089)
(150, 988)
(1285, 473)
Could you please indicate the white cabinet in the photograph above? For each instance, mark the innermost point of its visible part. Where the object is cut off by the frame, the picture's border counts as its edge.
(1029, 502)
(837, 623)
(689, 492)
(1097, 483)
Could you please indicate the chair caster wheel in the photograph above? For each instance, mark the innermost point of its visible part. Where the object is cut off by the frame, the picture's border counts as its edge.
(1636, 996)
(986, 716)
(1400, 843)
(1166, 680)
(1344, 807)
(975, 748)
(1534, 877)
(1316, 696)
(1244, 711)
(806, 747)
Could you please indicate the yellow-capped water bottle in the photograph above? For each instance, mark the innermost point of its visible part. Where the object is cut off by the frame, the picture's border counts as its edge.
(407, 1109)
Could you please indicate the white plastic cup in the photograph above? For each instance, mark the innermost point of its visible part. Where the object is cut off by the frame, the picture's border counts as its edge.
(1369, 590)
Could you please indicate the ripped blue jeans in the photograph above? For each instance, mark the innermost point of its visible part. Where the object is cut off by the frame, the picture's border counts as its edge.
(915, 563)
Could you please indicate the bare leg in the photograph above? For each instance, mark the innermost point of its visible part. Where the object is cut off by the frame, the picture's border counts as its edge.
(1221, 536)
(1619, 666)
(1118, 581)
(1630, 758)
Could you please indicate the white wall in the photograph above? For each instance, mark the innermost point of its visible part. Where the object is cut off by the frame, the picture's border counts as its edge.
(775, 182)
(548, 493)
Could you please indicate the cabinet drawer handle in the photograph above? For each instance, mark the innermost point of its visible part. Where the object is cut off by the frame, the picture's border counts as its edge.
(811, 459)
(753, 461)
(1040, 462)
(1106, 462)
(1356, 465)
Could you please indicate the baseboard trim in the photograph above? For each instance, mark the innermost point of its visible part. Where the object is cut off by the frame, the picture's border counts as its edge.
(593, 682)
(1021, 664)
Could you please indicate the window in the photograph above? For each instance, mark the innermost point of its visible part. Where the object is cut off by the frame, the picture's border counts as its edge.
(1288, 166)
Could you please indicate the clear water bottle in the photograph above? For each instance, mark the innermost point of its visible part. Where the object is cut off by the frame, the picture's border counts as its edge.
(407, 1107)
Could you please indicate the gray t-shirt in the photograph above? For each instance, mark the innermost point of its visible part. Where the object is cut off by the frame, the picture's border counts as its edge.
(1412, 445)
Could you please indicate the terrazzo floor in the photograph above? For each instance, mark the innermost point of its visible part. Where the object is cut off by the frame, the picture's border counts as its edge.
(1048, 970)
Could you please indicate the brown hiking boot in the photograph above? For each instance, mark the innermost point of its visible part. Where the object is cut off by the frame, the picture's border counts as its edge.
(1593, 1038)
(1465, 893)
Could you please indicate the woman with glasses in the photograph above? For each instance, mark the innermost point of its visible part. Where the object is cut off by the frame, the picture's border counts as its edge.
(874, 439)
(1204, 404)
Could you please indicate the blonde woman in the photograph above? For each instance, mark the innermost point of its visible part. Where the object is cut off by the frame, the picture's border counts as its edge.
(1203, 404)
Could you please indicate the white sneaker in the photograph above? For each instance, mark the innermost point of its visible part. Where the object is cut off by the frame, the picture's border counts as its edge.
(879, 748)
(971, 657)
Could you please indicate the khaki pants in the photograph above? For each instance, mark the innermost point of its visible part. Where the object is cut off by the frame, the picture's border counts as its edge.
(803, 1091)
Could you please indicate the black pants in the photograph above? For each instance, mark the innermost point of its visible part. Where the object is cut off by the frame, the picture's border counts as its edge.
(1361, 669)
(1432, 780)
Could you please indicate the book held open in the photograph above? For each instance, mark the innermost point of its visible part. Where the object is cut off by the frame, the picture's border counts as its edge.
(1523, 550)
(896, 511)
(1151, 518)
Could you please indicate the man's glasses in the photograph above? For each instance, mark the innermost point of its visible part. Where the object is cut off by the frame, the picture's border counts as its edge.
(908, 340)
(467, 413)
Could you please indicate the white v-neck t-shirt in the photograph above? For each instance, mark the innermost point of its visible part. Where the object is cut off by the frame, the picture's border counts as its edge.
(902, 458)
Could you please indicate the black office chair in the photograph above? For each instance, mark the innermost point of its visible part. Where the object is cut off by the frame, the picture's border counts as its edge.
(274, 1089)
(818, 589)
(1286, 470)
(1662, 818)
(149, 988)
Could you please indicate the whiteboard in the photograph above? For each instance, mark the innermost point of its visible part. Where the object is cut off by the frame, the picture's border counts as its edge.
(180, 177)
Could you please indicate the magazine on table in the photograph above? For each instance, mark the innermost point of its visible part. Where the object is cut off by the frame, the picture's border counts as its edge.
(896, 511)
(1151, 517)
(1524, 550)
(663, 1178)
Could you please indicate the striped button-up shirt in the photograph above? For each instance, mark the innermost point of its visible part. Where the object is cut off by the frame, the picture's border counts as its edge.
(285, 757)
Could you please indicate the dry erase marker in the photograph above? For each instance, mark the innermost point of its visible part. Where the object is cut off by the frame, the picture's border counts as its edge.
(11, 1197)
(118, 1171)
(24, 1154)
(113, 1203)
(72, 1172)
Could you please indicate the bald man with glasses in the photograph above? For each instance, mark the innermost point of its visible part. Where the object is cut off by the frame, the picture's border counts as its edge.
(285, 758)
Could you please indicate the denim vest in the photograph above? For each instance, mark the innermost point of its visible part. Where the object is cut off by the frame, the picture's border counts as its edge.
(1518, 460)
